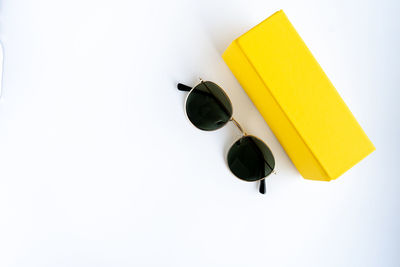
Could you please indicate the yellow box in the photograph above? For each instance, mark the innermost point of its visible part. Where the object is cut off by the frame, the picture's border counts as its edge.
(297, 100)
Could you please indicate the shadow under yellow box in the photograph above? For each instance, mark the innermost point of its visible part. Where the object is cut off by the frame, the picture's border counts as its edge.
(297, 100)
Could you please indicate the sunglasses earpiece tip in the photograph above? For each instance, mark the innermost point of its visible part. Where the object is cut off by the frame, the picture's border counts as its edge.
(182, 87)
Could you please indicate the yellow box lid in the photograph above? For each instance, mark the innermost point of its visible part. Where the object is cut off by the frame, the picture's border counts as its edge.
(297, 100)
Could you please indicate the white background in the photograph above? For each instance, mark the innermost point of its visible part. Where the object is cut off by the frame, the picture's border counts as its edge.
(100, 167)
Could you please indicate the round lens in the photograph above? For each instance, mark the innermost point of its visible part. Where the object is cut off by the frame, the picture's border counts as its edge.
(208, 107)
(250, 159)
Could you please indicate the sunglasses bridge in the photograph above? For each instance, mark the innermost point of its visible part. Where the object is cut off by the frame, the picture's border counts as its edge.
(238, 126)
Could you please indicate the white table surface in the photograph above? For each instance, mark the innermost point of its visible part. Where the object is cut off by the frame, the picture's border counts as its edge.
(100, 167)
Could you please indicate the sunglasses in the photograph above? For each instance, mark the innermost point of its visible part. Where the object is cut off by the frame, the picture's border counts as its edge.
(208, 108)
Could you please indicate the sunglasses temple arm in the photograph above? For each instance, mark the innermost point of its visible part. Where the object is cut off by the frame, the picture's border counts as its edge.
(263, 188)
(182, 87)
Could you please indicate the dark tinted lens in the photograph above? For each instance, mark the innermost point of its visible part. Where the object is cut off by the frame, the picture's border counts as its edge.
(250, 159)
(208, 107)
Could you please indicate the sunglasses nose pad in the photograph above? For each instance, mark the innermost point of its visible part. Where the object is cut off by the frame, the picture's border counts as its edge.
(220, 122)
